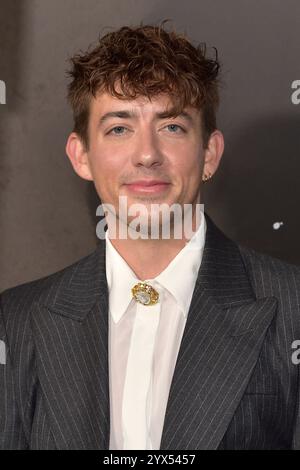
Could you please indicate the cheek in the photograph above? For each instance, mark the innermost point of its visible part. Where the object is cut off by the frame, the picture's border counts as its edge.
(188, 166)
(106, 165)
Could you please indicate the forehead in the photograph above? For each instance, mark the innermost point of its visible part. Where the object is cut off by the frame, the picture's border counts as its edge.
(142, 105)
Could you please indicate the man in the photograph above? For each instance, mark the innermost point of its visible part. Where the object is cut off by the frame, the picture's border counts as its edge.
(152, 342)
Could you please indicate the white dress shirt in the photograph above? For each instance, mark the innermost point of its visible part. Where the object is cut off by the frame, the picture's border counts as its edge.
(144, 342)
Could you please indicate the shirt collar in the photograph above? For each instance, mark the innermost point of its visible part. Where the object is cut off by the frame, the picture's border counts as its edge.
(178, 277)
(120, 280)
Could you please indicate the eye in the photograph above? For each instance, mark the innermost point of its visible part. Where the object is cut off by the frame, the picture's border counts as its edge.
(174, 128)
(118, 130)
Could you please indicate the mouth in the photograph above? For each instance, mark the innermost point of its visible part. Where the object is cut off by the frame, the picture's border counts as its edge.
(148, 186)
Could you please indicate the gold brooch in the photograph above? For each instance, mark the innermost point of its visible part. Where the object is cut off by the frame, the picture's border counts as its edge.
(145, 294)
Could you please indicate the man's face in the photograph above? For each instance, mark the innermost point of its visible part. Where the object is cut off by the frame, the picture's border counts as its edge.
(132, 140)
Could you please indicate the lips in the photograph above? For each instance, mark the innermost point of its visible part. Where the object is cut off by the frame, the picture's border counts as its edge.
(148, 186)
(148, 182)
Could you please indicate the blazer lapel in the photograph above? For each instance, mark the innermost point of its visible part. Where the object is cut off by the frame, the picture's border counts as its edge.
(225, 329)
(71, 336)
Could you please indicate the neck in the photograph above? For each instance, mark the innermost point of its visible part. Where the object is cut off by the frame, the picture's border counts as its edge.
(148, 257)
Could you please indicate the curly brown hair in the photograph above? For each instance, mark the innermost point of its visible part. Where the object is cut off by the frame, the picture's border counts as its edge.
(145, 61)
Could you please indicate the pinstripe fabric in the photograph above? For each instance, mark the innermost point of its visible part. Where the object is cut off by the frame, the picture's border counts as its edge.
(234, 384)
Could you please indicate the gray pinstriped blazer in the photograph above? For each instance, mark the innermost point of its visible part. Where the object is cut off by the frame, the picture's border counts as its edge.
(234, 385)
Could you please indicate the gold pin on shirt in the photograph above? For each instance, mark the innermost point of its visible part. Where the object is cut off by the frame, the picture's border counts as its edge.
(145, 294)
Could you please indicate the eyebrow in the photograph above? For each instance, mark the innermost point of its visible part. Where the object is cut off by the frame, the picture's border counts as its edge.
(123, 114)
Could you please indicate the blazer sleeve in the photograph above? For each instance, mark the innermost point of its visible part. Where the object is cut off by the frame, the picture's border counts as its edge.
(12, 434)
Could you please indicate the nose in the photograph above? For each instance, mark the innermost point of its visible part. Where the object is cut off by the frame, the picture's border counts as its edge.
(147, 152)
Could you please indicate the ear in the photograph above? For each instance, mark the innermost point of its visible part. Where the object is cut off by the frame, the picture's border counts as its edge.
(213, 153)
(78, 156)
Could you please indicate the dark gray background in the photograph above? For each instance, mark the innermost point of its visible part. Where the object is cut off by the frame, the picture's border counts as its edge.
(47, 213)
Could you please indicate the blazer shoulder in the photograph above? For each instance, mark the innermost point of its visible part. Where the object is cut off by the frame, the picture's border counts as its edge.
(19, 299)
(270, 275)
(270, 263)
